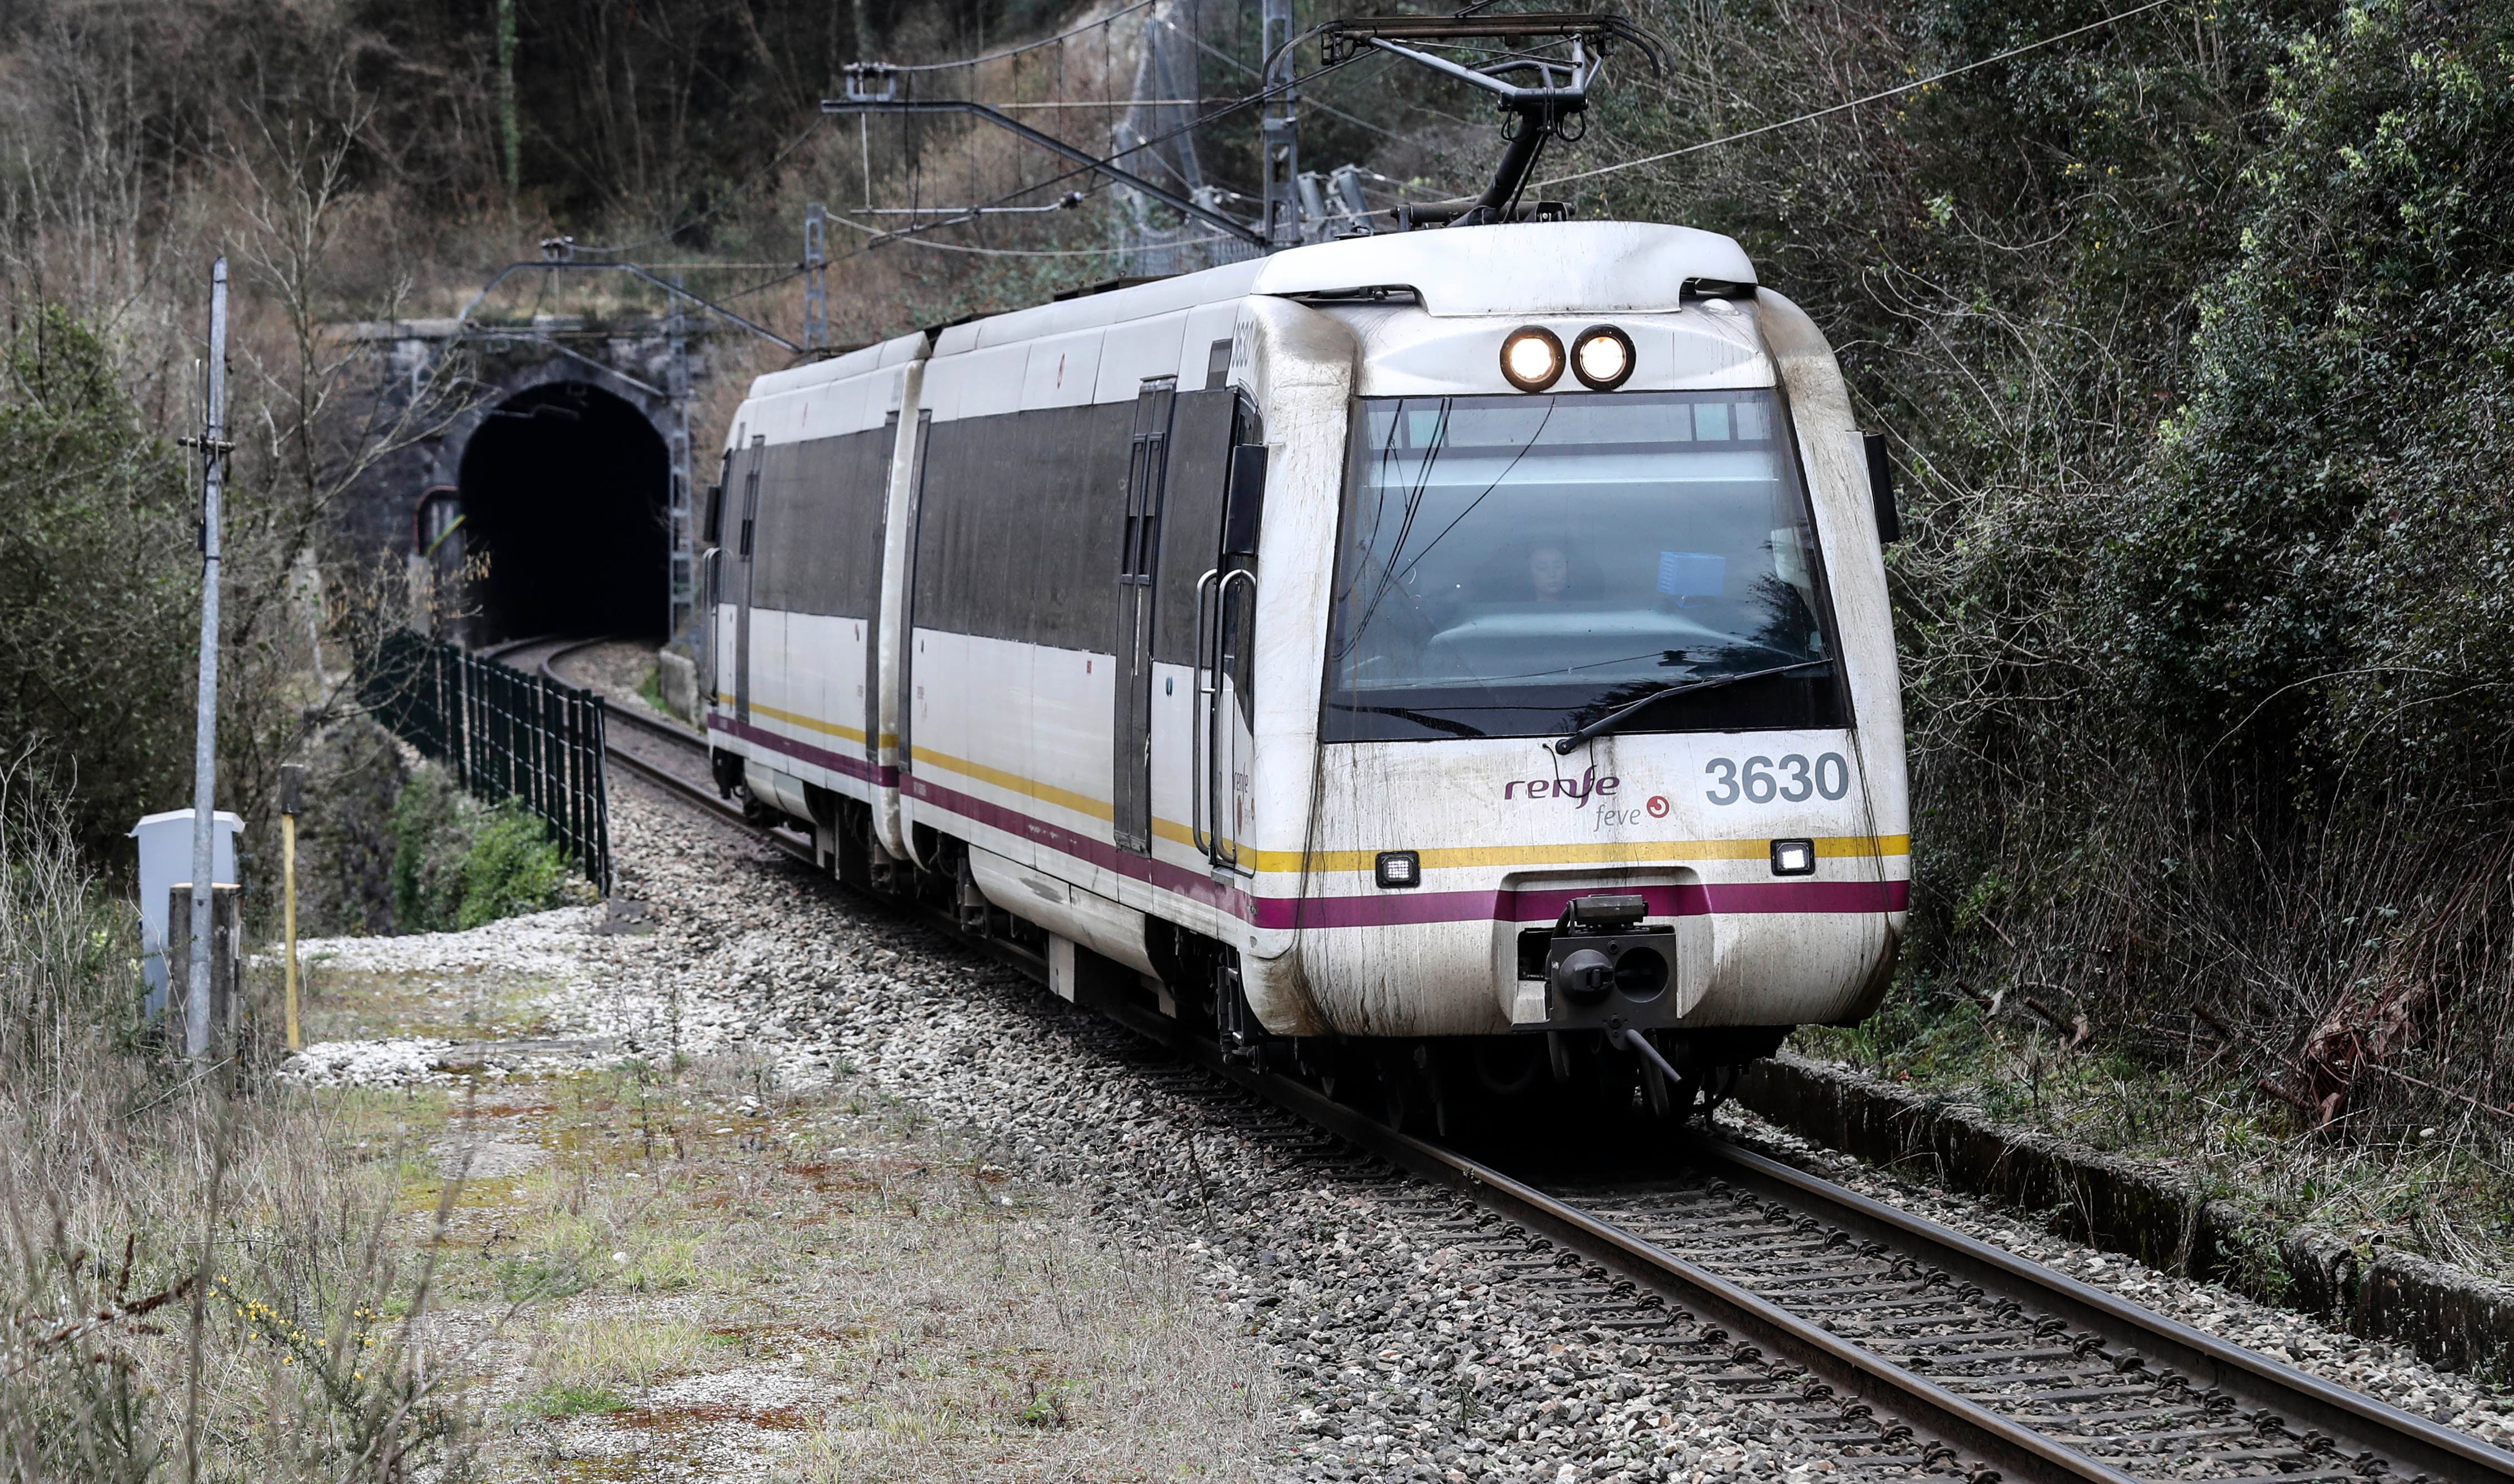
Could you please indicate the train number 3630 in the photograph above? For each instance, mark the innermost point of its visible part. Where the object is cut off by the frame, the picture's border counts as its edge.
(1794, 782)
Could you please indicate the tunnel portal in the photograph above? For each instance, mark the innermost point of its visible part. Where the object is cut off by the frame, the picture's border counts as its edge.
(563, 491)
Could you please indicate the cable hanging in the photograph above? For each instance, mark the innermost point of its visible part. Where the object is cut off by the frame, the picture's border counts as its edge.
(1026, 46)
(1805, 118)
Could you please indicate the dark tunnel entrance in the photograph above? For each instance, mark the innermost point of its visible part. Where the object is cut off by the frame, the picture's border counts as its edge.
(563, 491)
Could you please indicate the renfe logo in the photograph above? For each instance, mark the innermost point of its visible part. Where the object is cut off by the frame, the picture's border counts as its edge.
(1578, 790)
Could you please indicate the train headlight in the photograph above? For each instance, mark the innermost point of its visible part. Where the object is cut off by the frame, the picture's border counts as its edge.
(1531, 359)
(1601, 357)
(1792, 857)
(1397, 868)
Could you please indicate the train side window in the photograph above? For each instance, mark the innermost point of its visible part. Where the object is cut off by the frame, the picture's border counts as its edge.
(1881, 489)
(1246, 508)
(1243, 507)
(715, 515)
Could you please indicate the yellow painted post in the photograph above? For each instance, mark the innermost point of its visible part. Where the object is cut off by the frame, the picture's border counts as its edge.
(291, 788)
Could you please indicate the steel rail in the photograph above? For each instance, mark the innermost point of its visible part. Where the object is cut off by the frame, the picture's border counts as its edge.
(505, 647)
(2351, 1418)
(634, 716)
(1853, 1373)
(699, 794)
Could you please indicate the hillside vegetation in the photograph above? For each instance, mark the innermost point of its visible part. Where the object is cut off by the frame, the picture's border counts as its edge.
(2194, 334)
(2191, 332)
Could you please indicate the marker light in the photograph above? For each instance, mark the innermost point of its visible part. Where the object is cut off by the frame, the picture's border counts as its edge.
(1398, 869)
(1531, 359)
(1601, 357)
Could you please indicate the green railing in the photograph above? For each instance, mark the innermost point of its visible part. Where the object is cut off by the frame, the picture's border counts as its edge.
(503, 734)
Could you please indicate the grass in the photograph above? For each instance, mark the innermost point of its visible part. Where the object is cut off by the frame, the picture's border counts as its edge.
(2445, 1191)
(558, 1403)
(346, 1003)
(713, 1272)
(825, 1286)
(205, 1274)
(679, 1269)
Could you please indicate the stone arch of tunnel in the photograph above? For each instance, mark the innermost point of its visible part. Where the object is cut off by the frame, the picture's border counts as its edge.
(565, 490)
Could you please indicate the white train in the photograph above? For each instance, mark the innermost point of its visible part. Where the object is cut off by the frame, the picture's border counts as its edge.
(1377, 653)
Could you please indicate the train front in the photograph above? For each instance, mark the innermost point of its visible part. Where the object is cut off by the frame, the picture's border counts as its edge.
(1604, 726)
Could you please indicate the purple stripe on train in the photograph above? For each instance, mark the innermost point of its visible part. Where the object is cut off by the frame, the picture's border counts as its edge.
(1387, 908)
(835, 762)
(1390, 908)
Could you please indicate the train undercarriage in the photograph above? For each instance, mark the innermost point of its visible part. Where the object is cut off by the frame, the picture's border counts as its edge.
(1447, 1087)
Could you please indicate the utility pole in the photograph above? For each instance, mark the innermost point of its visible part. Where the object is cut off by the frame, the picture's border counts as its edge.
(683, 603)
(214, 447)
(292, 802)
(1278, 127)
(510, 137)
(816, 276)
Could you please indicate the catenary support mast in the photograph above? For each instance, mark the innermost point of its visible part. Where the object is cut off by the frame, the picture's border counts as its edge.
(213, 446)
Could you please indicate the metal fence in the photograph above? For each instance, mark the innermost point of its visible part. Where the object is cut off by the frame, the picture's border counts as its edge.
(503, 734)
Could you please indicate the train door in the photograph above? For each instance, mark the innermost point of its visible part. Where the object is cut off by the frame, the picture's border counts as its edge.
(1147, 473)
(877, 477)
(749, 540)
(710, 590)
(1226, 652)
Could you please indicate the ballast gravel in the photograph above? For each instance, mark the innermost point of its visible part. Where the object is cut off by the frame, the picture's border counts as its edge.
(1410, 1347)
(2390, 1372)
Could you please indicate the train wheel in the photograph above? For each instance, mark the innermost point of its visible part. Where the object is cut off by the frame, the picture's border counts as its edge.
(1460, 1105)
(1405, 1093)
(1341, 1075)
(1509, 1067)
(1612, 1081)
(1669, 1102)
(1657, 1097)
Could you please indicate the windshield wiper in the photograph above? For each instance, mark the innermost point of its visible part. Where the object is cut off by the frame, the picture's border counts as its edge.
(1609, 721)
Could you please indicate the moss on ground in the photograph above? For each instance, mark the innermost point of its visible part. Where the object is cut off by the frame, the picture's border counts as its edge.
(2444, 1191)
(709, 1275)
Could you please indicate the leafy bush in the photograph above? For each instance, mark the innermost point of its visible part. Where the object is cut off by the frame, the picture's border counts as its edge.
(459, 863)
(511, 867)
(2193, 335)
(99, 587)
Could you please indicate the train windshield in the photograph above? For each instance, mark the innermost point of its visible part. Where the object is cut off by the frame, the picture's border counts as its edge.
(1522, 566)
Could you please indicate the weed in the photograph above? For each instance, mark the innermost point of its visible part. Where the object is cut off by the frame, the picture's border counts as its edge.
(1048, 1407)
(459, 863)
(554, 1403)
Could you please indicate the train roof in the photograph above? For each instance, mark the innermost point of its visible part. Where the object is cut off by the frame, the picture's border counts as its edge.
(1533, 268)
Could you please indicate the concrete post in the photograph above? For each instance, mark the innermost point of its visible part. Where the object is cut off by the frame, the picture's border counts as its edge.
(212, 447)
(209, 987)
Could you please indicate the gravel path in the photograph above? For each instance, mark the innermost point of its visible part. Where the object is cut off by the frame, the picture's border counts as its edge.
(1416, 1339)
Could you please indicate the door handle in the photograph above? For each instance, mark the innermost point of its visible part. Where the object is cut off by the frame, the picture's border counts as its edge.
(1197, 708)
(1222, 852)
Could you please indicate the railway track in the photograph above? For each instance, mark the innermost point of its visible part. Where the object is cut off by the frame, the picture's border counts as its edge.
(664, 753)
(1924, 1348)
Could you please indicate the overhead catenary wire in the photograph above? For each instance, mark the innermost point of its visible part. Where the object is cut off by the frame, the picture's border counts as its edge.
(1223, 109)
(916, 232)
(1856, 102)
(722, 202)
(1026, 46)
(1210, 50)
(1002, 252)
